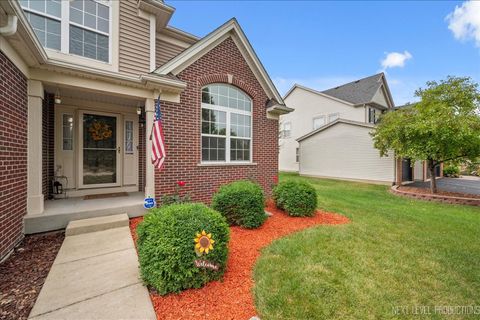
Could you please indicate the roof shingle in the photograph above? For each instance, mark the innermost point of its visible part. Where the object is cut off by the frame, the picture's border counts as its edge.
(359, 91)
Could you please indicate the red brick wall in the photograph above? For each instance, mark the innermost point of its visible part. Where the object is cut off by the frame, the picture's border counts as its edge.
(181, 123)
(13, 154)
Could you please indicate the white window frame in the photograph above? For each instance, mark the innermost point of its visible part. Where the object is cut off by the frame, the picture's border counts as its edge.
(317, 118)
(125, 140)
(51, 17)
(73, 131)
(65, 29)
(297, 154)
(227, 136)
(285, 135)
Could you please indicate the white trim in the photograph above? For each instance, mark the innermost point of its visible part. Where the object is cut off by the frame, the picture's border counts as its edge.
(34, 148)
(64, 30)
(170, 40)
(331, 124)
(153, 58)
(296, 85)
(12, 54)
(72, 114)
(229, 29)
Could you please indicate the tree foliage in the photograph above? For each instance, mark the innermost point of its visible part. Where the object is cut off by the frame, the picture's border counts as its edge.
(443, 126)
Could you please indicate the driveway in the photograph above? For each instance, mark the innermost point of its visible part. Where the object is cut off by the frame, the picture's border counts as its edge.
(470, 185)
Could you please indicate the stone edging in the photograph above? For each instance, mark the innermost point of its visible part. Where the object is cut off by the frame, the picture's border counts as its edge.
(436, 197)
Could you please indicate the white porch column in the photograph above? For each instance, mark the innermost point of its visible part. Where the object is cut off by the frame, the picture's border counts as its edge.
(35, 197)
(149, 168)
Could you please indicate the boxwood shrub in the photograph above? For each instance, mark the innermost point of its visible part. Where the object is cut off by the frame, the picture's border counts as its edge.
(166, 246)
(242, 203)
(296, 198)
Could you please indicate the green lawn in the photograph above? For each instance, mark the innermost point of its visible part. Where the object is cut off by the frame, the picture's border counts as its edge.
(395, 252)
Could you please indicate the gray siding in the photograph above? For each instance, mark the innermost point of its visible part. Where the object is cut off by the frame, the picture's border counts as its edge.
(134, 46)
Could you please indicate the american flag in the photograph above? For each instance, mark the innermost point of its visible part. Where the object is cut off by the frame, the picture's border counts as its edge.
(158, 140)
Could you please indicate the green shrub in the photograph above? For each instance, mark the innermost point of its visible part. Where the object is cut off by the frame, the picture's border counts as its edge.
(242, 203)
(451, 171)
(166, 246)
(296, 198)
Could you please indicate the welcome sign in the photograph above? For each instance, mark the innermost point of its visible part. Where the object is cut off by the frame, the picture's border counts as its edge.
(204, 245)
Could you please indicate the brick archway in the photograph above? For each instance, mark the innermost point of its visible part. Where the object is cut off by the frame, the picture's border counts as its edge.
(228, 79)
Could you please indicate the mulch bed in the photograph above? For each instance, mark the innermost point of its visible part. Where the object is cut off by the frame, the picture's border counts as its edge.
(439, 192)
(232, 298)
(23, 273)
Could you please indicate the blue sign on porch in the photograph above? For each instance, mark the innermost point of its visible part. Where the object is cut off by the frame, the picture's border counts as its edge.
(149, 203)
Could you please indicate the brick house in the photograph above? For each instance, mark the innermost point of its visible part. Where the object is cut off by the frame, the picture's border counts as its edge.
(79, 81)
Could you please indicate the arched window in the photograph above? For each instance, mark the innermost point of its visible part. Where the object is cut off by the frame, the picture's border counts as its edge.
(226, 124)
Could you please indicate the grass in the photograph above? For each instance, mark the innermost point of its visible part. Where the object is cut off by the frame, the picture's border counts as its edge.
(396, 252)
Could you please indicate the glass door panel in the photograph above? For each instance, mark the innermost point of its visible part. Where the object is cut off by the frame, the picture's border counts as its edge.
(100, 156)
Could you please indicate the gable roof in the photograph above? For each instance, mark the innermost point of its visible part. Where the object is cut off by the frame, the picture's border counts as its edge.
(331, 124)
(299, 86)
(229, 29)
(361, 91)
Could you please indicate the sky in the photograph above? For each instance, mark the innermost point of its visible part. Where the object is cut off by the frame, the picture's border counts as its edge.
(325, 44)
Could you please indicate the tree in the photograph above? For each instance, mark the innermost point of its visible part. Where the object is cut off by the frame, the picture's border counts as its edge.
(443, 126)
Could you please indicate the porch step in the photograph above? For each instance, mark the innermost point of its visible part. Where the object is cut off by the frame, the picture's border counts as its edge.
(58, 213)
(96, 224)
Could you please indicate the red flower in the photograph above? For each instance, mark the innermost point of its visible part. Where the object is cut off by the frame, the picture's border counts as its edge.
(275, 179)
(181, 183)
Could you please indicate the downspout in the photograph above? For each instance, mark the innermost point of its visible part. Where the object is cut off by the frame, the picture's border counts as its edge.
(11, 28)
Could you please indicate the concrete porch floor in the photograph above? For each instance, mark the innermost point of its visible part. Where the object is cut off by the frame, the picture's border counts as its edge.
(58, 213)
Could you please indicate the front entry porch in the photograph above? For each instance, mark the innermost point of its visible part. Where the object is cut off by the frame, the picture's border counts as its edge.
(58, 213)
(86, 143)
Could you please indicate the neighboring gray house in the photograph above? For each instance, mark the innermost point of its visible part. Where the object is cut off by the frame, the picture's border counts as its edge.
(328, 133)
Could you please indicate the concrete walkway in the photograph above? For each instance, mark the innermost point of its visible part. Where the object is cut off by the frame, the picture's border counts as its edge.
(95, 276)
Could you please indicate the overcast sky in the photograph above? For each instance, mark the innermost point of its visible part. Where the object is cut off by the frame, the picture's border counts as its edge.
(325, 44)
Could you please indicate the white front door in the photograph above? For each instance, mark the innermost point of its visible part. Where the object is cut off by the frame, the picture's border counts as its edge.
(99, 150)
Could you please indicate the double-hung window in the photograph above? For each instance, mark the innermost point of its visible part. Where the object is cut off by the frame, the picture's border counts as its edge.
(226, 124)
(45, 18)
(80, 27)
(287, 130)
(373, 115)
(89, 29)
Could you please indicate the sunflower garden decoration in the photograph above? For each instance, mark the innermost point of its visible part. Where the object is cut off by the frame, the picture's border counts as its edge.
(182, 246)
(203, 243)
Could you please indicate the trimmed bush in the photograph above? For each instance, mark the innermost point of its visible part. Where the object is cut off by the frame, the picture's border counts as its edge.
(242, 203)
(166, 247)
(451, 171)
(297, 198)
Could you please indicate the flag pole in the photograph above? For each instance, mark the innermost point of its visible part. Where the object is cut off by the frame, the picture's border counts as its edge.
(155, 111)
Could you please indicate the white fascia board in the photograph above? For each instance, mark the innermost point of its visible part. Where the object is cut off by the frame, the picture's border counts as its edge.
(298, 86)
(197, 50)
(331, 124)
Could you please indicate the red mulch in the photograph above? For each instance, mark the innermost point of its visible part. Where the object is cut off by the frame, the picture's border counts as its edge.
(232, 297)
(439, 192)
(23, 273)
